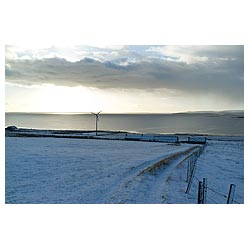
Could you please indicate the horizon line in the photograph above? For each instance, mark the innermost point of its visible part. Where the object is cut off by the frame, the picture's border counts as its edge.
(124, 113)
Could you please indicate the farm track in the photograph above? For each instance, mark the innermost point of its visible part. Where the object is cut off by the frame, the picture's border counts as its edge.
(137, 187)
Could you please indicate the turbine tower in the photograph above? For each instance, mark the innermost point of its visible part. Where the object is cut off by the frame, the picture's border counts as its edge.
(96, 120)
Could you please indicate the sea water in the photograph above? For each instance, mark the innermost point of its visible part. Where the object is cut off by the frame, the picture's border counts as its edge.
(217, 123)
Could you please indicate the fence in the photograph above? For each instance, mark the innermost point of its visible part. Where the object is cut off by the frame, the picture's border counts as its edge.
(191, 166)
(203, 185)
(197, 139)
(202, 193)
(152, 138)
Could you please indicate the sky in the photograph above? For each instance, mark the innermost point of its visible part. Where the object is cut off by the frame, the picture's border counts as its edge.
(124, 79)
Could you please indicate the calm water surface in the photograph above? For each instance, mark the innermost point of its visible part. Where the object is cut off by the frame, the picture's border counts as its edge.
(198, 123)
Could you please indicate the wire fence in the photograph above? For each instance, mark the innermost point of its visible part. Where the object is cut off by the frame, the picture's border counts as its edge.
(215, 196)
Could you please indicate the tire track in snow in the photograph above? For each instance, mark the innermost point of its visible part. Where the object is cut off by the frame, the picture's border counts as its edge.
(133, 172)
(143, 184)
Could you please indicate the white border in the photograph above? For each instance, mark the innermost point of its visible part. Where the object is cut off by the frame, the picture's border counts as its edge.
(124, 226)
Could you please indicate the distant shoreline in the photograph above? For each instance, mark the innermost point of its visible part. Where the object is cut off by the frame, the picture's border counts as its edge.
(139, 113)
(179, 123)
(113, 135)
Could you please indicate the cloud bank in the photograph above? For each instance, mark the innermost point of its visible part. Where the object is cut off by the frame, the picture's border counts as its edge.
(191, 70)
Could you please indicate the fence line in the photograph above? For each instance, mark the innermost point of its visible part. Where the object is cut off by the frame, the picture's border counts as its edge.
(223, 195)
(220, 195)
(164, 138)
(191, 167)
(203, 186)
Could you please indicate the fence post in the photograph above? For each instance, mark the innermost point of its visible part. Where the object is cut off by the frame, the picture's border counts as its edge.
(192, 170)
(188, 170)
(231, 192)
(177, 139)
(204, 195)
(200, 192)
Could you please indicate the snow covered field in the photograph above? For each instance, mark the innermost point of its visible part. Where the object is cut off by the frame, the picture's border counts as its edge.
(222, 164)
(59, 170)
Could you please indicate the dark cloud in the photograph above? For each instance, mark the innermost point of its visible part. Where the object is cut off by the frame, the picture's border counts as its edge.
(219, 51)
(222, 73)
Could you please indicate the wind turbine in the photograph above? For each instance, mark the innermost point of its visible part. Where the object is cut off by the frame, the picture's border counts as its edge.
(96, 120)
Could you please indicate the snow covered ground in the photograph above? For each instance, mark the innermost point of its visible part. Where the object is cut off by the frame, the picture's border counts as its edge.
(222, 164)
(60, 170)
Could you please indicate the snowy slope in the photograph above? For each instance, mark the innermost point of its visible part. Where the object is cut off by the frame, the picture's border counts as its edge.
(59, 170)
(51, 170)
(222, 164)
